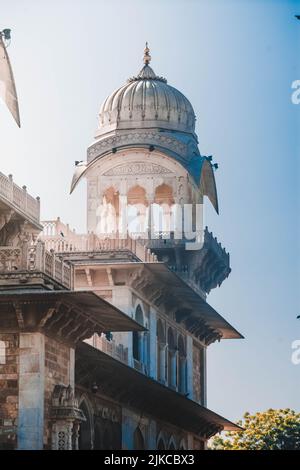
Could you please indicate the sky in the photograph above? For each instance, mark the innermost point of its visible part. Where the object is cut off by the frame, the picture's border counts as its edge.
(235, 60)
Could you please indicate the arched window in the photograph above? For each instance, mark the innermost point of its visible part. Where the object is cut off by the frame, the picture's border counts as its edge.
(85, 432)
(2, 352)
(138, 337)
(172, 445)
(181, 366)
(182, 445)
(161, 352)
(164, 195)
(172, 360)
(108, 212)
(163, 209)
(161, 444)
(138, 440)
(137, 210)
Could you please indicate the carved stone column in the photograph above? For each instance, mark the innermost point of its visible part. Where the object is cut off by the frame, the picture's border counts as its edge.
(66, 417)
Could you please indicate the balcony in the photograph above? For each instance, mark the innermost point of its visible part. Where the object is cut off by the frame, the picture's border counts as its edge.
(34, 259)
(19, 200)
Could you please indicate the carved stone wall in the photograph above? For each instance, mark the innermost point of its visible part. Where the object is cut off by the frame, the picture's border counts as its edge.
(58, 370)
(9, 350)
(198, 374)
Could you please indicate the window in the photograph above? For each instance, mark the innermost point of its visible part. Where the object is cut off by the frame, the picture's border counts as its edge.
(138, 337)
(172, 445)
(2, 352)
(138, 440)
(161, 444)
(182, 386)
(161, 352)
(172, 360)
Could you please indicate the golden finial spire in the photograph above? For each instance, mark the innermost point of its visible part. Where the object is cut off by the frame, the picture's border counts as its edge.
(147, 56)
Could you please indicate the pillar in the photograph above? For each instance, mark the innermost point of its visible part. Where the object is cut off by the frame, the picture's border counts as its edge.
(31, 391)
(189, 371)
(153, 348)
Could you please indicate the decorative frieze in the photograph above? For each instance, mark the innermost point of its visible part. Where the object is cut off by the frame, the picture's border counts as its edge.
(66, 417)
(137, 168)
(154, 138)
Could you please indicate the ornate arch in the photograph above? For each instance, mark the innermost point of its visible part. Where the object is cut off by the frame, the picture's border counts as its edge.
(172, 443)
(182, 444)
(86, 441)
(161, 441)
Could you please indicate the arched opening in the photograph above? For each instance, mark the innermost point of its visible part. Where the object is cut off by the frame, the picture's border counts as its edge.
(163, 209)
(164, 195)
(137, 337)
(172, 445)
(161, 352)
(172, 360)
(108, 212)
(182, 386)
(137, 210)
(138, 440)
(85, 432)
(161, 444)
(182, 445)
(107, 435)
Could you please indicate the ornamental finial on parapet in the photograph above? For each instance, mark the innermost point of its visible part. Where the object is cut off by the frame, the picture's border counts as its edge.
(147, 56)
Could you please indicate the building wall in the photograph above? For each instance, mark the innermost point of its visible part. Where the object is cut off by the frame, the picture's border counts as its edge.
(103, 428)
(9, 390)
(199, 374)
(120, 345)
(115, 426)
(59, 369)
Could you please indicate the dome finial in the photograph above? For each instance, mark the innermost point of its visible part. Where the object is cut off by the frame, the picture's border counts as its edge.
(147, 56)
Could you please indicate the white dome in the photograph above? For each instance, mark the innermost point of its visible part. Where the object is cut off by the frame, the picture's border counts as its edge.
(146, 101)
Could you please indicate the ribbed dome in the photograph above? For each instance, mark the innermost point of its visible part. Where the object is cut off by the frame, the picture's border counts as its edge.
(146, 101)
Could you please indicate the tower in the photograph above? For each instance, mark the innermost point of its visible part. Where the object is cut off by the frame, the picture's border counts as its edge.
(144, 167)
(145, 158)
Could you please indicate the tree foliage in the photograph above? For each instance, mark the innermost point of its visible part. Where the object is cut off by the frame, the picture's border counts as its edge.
(267, 430)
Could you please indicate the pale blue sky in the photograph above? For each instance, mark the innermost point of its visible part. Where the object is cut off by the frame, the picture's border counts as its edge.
(235, 61)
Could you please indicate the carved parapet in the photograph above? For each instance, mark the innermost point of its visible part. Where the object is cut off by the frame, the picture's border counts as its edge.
(203, 269)
(65, 416)
(19, 200)
(212, 264)
(35, 258)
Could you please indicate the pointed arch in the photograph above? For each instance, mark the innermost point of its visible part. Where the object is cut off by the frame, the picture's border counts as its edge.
(161, 351)
(172, 359)
(138, 439)
(172, 443)
(86, 431)
(182, 444)
(138, 347)
(161, 441)
(182, 365)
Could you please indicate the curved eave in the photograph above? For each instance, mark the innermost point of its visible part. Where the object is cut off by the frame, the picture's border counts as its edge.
(83, 168)
(208, 184)
(197, 166)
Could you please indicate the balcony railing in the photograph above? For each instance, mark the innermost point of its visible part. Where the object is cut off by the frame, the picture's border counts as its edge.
(97, 243)
(36, 258)
(19, 199)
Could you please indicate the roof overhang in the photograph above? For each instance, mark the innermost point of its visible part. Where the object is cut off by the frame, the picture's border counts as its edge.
(197, 306)
(69, 315)
(197, 166)
(132, 388)
(181, 298)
